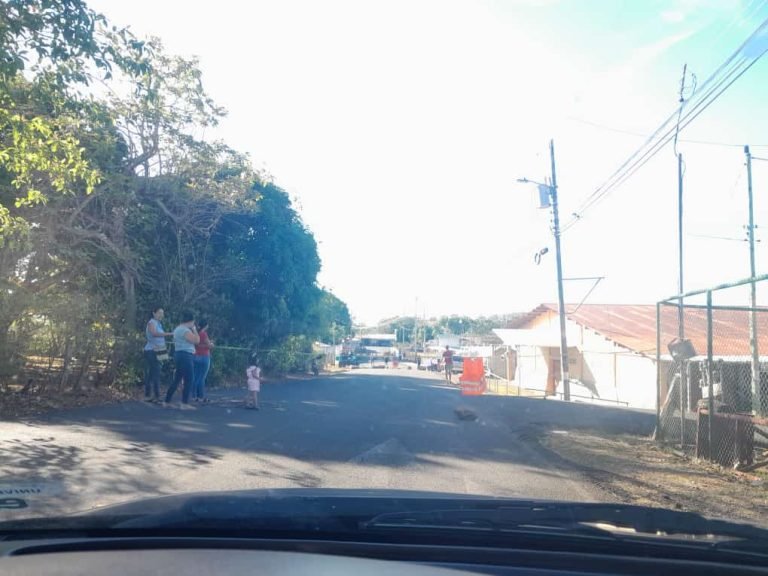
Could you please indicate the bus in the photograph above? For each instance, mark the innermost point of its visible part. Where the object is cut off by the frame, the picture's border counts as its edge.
(379, 346)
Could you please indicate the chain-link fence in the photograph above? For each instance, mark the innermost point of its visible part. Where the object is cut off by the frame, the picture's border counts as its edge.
(712, 380)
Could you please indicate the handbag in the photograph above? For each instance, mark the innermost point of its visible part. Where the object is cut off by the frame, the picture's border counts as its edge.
(161, 352)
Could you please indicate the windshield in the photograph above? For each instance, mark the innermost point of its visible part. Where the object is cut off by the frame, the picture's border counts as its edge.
(374, 343)
(508, 249)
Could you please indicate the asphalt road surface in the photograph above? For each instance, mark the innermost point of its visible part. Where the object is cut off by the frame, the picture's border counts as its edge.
(360, 429)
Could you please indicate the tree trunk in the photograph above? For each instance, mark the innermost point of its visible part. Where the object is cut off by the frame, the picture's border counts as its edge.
(6, 354)
(129, 291)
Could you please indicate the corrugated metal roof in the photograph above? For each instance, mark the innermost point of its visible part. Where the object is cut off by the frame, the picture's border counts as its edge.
(633, 326)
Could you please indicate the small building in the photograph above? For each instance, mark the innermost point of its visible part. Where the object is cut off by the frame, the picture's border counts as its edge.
(612, 349)
(611, 352)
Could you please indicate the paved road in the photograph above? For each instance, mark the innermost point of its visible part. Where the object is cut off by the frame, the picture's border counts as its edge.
(372, 429)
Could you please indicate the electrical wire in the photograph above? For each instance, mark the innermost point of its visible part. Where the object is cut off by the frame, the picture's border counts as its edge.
(681, 140)
(629, 168)
(712, 95)
(731, 70)
(746, 14)
(627, 171)
(711, 237)
(592, 289)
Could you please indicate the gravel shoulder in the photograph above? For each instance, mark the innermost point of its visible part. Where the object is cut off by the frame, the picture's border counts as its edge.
(636, 470)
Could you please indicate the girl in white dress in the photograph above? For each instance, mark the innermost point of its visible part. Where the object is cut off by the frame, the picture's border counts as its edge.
(253, 374)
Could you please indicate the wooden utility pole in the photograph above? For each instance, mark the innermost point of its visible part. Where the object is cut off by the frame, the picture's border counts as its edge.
(757, 400)
(560, 297)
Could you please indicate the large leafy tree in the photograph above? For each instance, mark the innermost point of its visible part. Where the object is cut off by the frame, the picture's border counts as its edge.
(117, 204)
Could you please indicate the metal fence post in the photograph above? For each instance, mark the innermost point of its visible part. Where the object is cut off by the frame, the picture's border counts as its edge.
(710, 378)
(659, 433)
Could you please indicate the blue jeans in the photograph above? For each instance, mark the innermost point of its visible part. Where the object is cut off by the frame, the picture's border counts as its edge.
(185, 369)
(202, 365)
(151, 375)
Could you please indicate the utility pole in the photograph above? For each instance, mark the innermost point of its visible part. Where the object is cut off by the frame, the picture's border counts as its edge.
(680, 288)
(551, 189)
(416, 327)
(560, 296)
(757, 400)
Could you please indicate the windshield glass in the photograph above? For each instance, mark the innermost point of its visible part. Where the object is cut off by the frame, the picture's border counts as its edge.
(375, 343)
(479, 247)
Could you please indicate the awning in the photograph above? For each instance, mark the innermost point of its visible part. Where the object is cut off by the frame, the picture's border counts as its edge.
(543, 337)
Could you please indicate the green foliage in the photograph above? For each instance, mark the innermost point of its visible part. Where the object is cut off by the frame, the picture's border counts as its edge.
(46, 49)
(39, 155)
(56, 33)
(407, 326)
(293, 354)
(331, 318)
(110, 207)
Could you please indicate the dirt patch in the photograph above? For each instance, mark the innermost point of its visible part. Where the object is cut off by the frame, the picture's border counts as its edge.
(636, 470)
(15, 405)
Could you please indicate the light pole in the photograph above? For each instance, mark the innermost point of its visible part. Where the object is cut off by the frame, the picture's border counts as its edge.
(552, 189)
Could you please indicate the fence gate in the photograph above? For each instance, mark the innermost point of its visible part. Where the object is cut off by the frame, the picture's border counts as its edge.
(712, 373)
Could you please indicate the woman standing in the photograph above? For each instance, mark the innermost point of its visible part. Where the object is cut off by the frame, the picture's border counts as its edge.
(154, 347)
(253, 375)
(202, 361)
(184, 339)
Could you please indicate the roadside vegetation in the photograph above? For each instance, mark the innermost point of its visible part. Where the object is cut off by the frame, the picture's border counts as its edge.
(112, 202)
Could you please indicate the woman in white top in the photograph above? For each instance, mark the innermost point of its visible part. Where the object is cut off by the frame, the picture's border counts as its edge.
(155, 346)
(184, 339)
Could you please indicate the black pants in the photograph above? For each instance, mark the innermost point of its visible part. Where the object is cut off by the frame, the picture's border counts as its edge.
(151, 374)
(185, 369)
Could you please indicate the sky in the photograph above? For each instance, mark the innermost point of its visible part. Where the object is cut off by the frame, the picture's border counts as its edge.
(400, 129)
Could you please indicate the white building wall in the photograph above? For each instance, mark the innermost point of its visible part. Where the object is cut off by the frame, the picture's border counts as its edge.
(532, 368)
(611, 371)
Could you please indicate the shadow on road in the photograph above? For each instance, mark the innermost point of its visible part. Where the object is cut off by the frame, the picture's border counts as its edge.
(353, 409)
(365, 421)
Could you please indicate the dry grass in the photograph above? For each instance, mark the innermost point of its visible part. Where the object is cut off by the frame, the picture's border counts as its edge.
(638, 471)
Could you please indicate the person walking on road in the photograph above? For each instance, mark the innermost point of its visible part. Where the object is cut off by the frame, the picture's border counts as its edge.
(448, 361)
(253, 374)
(184, 339)
(202, 361)
(155, 352)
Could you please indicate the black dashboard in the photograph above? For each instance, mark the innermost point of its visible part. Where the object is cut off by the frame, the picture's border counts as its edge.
(199, 556)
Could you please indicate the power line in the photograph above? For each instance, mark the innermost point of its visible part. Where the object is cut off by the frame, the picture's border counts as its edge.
(618, 176)
(681, 140)
(714, 237)
(630, 167)
(746, 14)
(714, 87)
(646, 157)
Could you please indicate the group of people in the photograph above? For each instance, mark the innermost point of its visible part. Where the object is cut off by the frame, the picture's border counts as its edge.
(192, 359)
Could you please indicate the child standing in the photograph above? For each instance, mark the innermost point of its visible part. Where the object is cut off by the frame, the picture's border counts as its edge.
(253, 373)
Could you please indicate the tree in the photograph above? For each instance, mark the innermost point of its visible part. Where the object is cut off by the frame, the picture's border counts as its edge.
(332, 319)
(280, 259)
(116, 204)
(49, 47)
